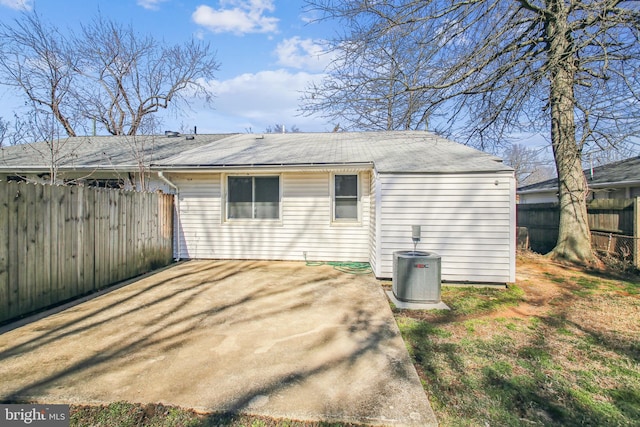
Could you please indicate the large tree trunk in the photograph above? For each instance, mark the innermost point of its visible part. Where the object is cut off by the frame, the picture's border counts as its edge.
(574, 236)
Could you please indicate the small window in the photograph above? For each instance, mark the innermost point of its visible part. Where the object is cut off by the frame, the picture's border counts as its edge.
(345, 198)
(253, 197)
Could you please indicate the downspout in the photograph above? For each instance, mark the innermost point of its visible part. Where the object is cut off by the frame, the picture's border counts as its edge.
(176, 198)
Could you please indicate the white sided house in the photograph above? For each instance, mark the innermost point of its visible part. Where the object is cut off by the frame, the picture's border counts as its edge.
(349, 196)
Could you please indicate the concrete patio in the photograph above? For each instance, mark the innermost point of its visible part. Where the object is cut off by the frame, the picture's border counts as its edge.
(279, 339)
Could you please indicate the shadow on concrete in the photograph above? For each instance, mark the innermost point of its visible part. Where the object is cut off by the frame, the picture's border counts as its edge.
(265, 338)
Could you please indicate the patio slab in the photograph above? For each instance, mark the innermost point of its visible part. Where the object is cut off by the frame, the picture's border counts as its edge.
(280, 339)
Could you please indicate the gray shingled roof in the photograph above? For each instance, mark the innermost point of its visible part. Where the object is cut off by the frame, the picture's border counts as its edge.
(100, 152)
(623, 172)
(408, 151)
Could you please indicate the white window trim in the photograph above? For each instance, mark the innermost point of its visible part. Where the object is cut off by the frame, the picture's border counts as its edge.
(225, 200)
(345, 222)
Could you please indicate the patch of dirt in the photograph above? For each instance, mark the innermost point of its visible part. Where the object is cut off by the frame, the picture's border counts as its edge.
(553, 287)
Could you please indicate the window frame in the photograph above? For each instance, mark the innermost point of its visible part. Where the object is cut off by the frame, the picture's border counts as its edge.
(334, 197)
(253, 217)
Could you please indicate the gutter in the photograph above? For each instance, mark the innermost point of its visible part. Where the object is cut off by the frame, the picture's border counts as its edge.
(615, 184)
(265, 167)
(67, 168)
(176, 198)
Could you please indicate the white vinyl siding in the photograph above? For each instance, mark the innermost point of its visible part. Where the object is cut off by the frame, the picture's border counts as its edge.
(373, 222)
(468, 219)
(198, 206)
(545, 197)
(305, 223)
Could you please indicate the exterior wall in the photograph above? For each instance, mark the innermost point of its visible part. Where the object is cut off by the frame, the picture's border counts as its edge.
(543, 197)
(373, 223)
(609, 192)
(305, 222)
(468, 219)
(616, 193)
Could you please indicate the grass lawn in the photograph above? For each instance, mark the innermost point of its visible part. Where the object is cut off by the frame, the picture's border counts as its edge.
(559, 347)
(123, 414)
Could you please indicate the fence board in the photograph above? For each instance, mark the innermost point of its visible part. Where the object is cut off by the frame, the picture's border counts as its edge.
(47, 253)
(636, 232)
(58, 243)
(114, 217)
(40, 271)
(54, 242)
(88, 242)
(31, 230)
(612, 216)
(69, 265)
(22, 220)
(100, 232)
(79, 240)
(13, 194)
(4, 244)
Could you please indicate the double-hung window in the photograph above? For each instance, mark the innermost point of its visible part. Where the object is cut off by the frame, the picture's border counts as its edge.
(345, 198)
(253, 197)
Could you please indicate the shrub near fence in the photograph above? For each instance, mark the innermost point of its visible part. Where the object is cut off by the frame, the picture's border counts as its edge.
(61, 242)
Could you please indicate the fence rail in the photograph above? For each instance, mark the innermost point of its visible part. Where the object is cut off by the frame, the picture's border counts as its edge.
(614, 225)
(61, 242)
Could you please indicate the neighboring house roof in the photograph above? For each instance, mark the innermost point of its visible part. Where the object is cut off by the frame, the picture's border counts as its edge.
(99, 152)
(390, 152)
(618, 174)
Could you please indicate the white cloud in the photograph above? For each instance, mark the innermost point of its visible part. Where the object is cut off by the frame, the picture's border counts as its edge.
(18, 4)
(150, 4)
(310, 17)
(238, 16)
(258, 100)
(302, 54)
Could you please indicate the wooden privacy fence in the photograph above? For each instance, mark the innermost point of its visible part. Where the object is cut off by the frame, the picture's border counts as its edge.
(614, 224)
(61, 242)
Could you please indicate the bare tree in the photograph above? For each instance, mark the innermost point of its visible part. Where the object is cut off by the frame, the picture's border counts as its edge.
(367, 82)
(4, 131)
(13, 133)
(41, 125)
(528, 164)
(281, 128)
(36, 59)
(501, 66)
(131, 76)
(612, 154)
(106, 73)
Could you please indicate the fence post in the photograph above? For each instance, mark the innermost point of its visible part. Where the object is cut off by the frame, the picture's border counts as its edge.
(5, 292)
(636, 232)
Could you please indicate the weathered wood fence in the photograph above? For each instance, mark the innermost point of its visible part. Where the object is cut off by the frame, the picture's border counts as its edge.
(61, 242)
(614, 223)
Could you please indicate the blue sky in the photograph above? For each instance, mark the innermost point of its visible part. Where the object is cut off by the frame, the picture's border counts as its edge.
(269, 50)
